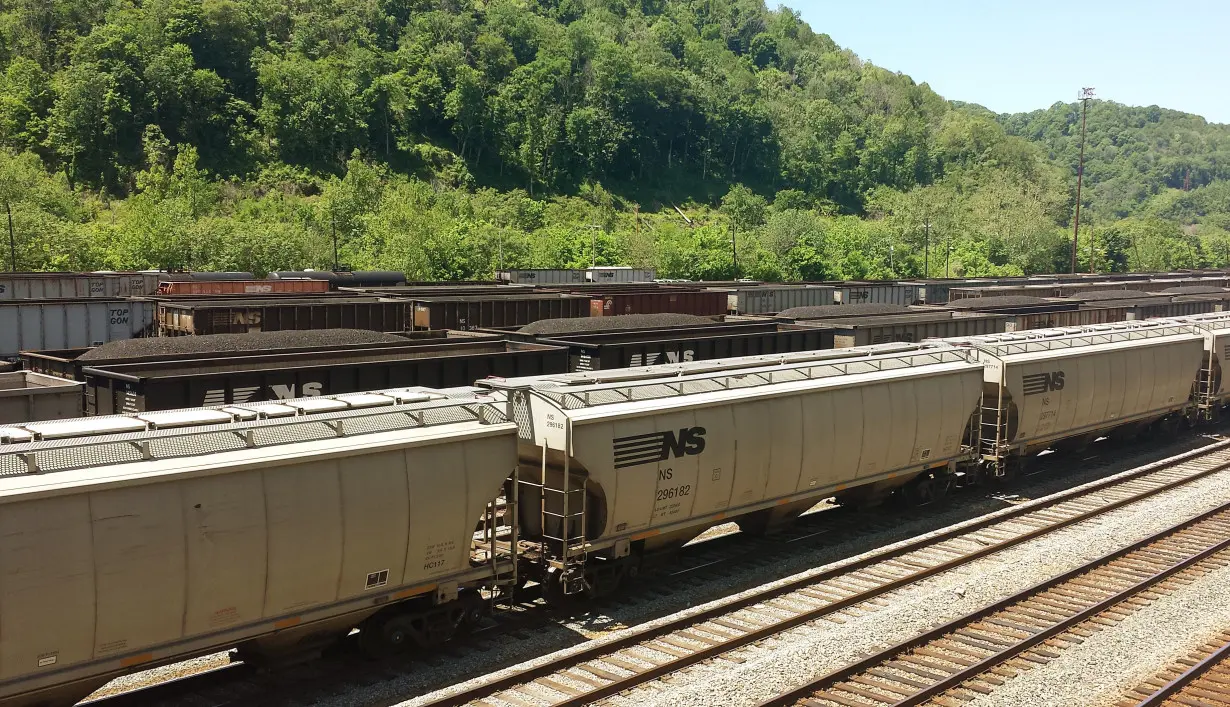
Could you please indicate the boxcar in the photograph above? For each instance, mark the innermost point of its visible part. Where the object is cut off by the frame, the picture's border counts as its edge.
(765, 299)
(877, 292)
(542, 277)
(609, 274)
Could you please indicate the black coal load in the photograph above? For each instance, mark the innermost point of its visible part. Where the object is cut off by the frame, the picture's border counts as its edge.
(1102, 295)
(1001, 301)
(577, 325)
(171, 346)
(1195, 290)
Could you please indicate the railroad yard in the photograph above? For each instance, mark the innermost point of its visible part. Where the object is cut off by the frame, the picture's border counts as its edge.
(590, 487)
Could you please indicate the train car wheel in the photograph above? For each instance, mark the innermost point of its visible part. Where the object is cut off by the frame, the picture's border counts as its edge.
(474, 610)
(927, 488)
(390, 636)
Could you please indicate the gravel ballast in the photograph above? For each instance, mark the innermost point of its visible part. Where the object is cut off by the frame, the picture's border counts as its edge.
(818, 648)
(228, 343)
(577, 325)
(811, 650)
(1100, 670)
(828, 311)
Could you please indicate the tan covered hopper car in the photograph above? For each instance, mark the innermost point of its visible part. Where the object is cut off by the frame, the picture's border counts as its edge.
(1048, 386)
(154, 537)
(640, 460)
(1211, 393)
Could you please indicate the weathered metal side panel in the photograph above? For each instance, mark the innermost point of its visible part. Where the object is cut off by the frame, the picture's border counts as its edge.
(876, 292)
(224, 317)
(68, 324)
(542, 277)
(765, 299)
(700, 303)
(26, 396)
(465, 314)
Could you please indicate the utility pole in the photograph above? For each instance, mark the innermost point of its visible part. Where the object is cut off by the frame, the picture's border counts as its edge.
(948, 254)
(1086, 95)
(593, 244)
(333, 222)
(734, 253)
(927, 250)
(12, 239)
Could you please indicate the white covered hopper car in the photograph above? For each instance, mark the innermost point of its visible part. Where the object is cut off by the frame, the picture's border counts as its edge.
(131, 541)
(616, 465)
(1048, 387)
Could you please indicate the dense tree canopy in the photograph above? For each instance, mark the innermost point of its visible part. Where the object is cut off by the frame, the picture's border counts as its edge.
(448, 139)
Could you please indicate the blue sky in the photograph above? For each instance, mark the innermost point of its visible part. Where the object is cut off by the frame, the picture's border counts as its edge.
(1019, 56)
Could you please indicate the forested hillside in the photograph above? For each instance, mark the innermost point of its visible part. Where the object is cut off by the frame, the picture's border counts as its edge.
(451, 138)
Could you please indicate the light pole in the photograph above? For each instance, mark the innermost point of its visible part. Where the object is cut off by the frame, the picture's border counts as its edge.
(1086, 95)
(948, 254)
(333, 222)
(927, 249)
(593, 244)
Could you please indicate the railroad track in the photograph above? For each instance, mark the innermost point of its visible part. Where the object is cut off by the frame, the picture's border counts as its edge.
(1202, 679)
(649, 654)
(238, 684)
(974, 654)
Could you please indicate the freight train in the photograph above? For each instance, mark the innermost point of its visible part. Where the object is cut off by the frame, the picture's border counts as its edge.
(131, 541)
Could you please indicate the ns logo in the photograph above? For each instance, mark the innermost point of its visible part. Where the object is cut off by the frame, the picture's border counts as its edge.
(658, 446)
(1040, 383)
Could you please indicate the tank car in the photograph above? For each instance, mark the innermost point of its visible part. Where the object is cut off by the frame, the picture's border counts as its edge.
(136, 540)
(617, 465)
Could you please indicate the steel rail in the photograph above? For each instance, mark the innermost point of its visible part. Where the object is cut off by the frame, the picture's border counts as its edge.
(957, 678)
(1188, 676)
(597, 652)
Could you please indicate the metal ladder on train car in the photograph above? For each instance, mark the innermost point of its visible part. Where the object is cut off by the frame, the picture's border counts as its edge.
(568, 552)
(992, 432)
(1205, 395)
